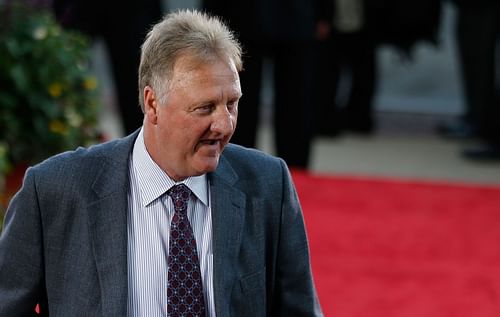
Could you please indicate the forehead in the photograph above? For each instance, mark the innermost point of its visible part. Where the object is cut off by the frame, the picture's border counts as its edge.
(190, 71)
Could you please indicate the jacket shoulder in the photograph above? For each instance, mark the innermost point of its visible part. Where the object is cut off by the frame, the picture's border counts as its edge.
(82, 163)
(247, 158)
(253, 167)
(108, 150)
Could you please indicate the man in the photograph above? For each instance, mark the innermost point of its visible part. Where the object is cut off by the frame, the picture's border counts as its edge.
(98, 231)
(347, 51)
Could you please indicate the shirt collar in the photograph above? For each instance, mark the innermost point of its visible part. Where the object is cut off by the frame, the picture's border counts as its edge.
(153, 182)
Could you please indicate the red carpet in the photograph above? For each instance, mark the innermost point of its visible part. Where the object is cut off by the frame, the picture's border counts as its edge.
(384, 248)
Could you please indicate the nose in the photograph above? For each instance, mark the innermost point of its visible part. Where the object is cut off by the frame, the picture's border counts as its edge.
(223, 121)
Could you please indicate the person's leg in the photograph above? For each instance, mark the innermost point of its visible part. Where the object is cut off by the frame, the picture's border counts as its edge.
(326, 81)
(476, 42)
(293, 104)
(359, 55)
(479, 76)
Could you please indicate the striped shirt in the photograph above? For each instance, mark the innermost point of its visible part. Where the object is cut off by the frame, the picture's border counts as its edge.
(150, 211)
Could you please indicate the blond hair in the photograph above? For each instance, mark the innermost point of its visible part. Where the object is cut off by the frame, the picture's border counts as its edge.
(185, 32)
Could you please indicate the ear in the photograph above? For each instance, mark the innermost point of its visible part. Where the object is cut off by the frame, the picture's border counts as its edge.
(150, 105)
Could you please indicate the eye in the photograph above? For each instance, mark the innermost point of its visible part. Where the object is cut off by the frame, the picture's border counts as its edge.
(232, 105)
(207, 108)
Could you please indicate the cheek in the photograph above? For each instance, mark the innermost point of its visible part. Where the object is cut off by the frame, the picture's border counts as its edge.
(192, 131)
(233, 125)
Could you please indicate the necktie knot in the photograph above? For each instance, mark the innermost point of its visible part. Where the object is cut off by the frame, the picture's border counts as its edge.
(180, 196)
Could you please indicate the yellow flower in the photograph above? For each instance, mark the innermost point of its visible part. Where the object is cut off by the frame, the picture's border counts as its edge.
(55, 89)
(90, 83)
(57, 126)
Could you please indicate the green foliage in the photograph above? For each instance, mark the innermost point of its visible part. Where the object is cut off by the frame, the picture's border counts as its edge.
(48, 97)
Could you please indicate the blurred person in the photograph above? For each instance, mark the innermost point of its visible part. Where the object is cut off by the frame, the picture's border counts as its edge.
(113, 230)
(346, 56)
(122, 26)
(347, 67)
(284, 32)
(477, 38)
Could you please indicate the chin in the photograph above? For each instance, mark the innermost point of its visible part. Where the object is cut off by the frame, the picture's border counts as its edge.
(209, 165)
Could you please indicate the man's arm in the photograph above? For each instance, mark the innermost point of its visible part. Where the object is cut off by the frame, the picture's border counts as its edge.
(21, 254)
(295, 294)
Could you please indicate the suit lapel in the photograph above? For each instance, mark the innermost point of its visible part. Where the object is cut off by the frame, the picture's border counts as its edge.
(228, 205)
(107, 216)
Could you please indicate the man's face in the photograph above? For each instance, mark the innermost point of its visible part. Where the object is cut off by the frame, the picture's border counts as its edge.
(186, 135)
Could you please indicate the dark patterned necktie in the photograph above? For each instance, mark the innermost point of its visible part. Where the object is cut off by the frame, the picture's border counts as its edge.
(185, 290)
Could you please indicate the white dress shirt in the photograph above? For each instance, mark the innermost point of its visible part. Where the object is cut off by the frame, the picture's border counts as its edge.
(150, 211)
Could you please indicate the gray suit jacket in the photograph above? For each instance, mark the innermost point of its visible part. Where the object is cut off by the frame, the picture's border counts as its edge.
(64, 243)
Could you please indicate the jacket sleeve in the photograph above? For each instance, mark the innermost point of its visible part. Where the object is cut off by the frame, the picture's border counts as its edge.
(295, 293)
(21, 254)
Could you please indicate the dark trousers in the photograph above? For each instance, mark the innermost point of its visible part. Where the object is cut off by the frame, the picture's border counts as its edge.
(477, 34)
(349, 58)
(292, 72)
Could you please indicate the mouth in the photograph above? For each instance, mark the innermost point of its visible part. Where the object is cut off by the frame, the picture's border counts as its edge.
(210, 142)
